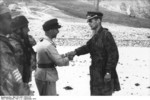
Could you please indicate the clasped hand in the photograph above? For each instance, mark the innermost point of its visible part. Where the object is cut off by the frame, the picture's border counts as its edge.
(70, 55)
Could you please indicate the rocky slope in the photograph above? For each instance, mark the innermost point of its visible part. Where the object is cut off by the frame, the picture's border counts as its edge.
(137, 8)
(75, 31)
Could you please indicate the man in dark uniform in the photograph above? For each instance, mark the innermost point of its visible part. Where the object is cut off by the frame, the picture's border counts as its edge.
(104, 55)
(25, 55)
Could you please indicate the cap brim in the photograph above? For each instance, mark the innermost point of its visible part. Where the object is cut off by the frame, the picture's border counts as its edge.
(89, 17)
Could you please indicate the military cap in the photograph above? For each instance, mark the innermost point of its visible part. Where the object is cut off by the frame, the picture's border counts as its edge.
(90, 15)
(51, 24)
(3, 8)
(19, 22)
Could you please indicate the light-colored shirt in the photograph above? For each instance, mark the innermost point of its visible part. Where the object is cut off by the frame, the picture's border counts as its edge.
(46, 54)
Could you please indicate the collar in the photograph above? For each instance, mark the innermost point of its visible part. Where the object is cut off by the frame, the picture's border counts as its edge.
(50, 40)
(98, 31)
(16, 36)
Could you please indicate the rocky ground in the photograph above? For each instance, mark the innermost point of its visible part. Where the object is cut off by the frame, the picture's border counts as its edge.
(133, 67)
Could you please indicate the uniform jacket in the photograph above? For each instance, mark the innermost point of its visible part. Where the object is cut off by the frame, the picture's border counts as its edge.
(18, 46)
(48, 54)
(24, 56)
(104, 55)
(10, 77)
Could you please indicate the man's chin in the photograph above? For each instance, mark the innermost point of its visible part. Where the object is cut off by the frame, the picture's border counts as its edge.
(55, 37)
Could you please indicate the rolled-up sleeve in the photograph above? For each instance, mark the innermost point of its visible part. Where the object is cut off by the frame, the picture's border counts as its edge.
(53, 55)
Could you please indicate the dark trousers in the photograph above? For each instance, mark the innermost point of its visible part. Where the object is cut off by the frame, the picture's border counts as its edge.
(105, 89)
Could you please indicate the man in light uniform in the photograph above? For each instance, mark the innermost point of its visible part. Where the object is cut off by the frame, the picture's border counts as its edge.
(48, 58)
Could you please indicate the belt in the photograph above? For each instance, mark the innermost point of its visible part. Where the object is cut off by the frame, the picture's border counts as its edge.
(51, 65)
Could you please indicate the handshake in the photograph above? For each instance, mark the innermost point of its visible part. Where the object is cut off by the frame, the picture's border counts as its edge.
(70, 55)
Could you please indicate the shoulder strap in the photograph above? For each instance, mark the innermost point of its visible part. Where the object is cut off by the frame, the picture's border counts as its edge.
(5, 40)
(18, 40)
(14, 38)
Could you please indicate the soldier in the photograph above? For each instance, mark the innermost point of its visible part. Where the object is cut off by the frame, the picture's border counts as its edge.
(24, 52)
(10, 77)
(104, 55)
(47, 59)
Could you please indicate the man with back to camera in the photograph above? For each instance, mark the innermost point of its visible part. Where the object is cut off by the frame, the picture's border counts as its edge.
(104, 55)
